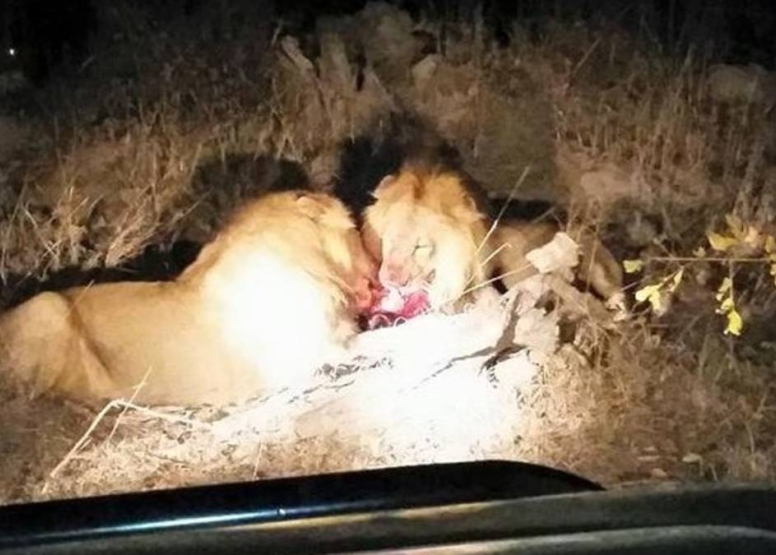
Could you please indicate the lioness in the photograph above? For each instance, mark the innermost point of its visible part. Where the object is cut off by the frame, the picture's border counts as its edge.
(263, 305)
(430, 228)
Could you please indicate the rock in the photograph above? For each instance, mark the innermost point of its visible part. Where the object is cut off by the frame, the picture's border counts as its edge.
(560, 254)
(386, 34)
(423, 372)
(290, 47)
(749, 84)
(334, 66)
(423, 72)
(608, 184)
(640, 231)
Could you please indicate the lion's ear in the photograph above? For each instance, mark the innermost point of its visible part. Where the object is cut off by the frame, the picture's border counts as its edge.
(385, 182)
(468, 211)
(325, 210)
(310, 206)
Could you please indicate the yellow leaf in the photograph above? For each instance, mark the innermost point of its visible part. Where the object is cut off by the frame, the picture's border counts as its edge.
(644, 293)
(752, 237)
(735, 225)
(734, 323)
(700, 252)
(632, 266)
(725, 286)
(726, 306)
(650, 293)
(656, 302)
(676, 280)
(721, 243)
(770, 244)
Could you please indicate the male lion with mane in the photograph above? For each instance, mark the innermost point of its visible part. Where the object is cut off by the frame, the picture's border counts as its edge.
(430, 229)
(266, 303)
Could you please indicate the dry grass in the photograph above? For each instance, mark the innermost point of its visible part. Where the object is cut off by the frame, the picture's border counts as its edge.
(611, 127)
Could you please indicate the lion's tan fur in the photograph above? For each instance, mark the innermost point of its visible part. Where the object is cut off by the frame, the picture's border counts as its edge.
(514, 240)
(427, 205)
(426, 220)
(265, 303)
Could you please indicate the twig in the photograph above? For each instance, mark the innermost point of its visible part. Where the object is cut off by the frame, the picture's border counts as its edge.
(504, 207)
(258, 461)
(128, 403)
(116, 403)
(163, 415)
(584, 59)
(495, 253)
(80, 443)
(496, 278)
(706, 259)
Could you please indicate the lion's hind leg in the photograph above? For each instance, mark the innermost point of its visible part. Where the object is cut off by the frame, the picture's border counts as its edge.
(602, 272)
(42, 344)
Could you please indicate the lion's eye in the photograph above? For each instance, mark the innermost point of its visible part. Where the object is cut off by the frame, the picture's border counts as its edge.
(422, 247)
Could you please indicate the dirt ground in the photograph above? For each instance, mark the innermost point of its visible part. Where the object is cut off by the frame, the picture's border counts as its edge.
(648, 149)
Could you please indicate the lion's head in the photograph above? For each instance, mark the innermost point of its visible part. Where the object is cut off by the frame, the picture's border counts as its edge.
(343, 246)
(427, 231)
(312, 232)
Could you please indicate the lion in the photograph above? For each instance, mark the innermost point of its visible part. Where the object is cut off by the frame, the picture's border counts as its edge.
(431, 228)
(597, 267)
(427, 229)
(269, 300)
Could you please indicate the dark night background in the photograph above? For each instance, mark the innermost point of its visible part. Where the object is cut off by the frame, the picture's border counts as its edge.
(50, 36)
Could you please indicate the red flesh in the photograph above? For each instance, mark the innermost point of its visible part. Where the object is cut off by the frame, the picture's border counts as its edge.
(394, 305)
